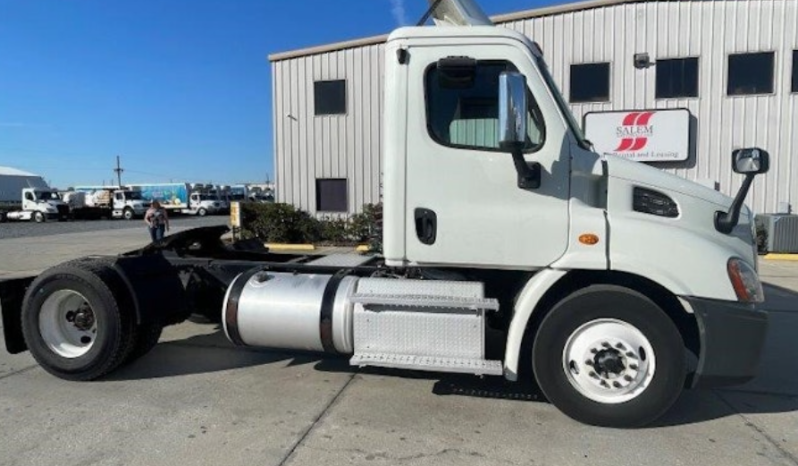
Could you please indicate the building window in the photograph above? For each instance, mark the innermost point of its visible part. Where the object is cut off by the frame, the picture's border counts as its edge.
(466, 115)
(750, 73)
(677, 77)
(330, 97)
(331, 195)
(795, 71)
(590, 82)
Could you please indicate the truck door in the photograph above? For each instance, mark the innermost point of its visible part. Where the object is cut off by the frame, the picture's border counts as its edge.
(28, 201)
(463, 203)
(119, 200)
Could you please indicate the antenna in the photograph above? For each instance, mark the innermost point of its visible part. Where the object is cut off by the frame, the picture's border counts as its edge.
(118, 171)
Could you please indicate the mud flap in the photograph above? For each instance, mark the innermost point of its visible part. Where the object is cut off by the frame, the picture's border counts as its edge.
(12, 292)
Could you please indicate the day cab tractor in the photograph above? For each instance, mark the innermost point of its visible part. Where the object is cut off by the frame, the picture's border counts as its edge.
(613, 285)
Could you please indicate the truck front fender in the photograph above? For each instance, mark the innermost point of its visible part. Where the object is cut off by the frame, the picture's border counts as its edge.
(525, 304)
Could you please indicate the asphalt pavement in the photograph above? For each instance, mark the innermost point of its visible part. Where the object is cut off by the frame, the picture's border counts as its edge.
(31, 229)
(198, 400)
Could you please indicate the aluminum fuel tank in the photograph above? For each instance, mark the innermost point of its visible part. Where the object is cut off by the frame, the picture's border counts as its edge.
(293, 311)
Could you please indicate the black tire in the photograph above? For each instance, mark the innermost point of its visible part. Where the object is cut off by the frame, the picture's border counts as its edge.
(38, 217)
(128, 214)
(103, 290)
(630, 307)
(202, 212)
(147, 336)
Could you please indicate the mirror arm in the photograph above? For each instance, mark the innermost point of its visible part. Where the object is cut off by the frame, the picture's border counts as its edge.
(528, 172)
(726, 221)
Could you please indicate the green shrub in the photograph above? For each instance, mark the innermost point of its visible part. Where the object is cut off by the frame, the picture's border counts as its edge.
(283, 223)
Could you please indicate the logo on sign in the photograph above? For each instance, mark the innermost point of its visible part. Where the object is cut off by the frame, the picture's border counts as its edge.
(634, 132)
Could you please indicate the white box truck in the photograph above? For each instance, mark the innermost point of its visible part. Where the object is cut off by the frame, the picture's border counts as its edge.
(601, 274)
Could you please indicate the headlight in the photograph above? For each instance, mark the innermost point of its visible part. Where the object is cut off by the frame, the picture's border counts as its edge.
(745, 281)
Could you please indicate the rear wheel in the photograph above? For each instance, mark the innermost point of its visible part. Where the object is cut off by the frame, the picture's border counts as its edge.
(609, 356)
(75, 322)
(147, 336)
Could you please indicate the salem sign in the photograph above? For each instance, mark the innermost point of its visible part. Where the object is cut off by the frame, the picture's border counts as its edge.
(641, 135)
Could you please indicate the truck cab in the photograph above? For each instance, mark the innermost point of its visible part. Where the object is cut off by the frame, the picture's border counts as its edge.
(129, 204)
(40, 205)
(202, 204)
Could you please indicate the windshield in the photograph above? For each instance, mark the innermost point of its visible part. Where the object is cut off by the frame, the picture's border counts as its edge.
(569, 117)
(47, 196)
(133, 196)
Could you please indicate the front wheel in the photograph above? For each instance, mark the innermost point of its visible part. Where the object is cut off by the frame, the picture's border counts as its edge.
(202, 212)
(609, 356)
(128, 214)
(38, 217)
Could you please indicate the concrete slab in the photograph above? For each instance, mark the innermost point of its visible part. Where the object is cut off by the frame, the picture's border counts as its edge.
(383, 420)
(179, 405)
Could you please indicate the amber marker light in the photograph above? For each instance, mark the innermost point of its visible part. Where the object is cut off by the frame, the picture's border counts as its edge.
(589, 239)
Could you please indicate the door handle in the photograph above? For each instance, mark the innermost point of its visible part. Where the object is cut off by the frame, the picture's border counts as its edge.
(426, 225)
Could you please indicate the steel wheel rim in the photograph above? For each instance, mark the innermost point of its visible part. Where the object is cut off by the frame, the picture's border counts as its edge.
(67, 324)
(609, 361)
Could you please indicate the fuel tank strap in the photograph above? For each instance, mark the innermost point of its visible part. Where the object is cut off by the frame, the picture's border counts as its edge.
(326, 314)
(231, 316)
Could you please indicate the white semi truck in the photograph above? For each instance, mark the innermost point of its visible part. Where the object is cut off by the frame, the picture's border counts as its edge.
(36, 205)
(613, 285)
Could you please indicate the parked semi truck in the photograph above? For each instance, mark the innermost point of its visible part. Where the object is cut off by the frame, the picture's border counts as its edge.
(35, 205)
(613, 285)
(117, 201)
(27, 196)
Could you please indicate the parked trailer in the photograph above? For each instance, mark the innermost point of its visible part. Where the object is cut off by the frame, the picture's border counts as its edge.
(172, 196)
(602, 322)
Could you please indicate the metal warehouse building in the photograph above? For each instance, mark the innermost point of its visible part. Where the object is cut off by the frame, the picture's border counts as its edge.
(731, 63)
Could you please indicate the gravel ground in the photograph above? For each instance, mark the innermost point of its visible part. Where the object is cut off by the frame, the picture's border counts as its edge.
(29, 229)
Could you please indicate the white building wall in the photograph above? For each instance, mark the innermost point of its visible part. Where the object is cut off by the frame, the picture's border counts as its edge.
(348, 146)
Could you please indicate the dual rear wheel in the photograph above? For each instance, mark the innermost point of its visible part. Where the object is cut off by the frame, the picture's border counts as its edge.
(79, 326)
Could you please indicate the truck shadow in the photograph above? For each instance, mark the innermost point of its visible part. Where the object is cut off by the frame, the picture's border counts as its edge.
(774, 390)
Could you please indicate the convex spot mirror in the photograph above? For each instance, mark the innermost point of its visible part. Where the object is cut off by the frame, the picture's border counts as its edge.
(750, 161)
(512, 111)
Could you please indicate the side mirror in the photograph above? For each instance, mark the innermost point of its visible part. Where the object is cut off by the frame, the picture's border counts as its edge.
(512, 127)
(512, 111)
(750, 160)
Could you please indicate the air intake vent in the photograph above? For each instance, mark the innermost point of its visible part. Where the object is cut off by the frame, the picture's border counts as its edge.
(652, 202)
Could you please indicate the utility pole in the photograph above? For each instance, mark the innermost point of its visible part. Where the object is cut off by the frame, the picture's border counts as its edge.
(118, 171)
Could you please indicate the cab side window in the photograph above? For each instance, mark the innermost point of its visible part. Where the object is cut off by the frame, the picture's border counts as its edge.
(29, 196)
(467, 115)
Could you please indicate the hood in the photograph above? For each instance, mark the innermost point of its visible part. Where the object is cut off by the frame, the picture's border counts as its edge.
(697, 205)
(646, 174)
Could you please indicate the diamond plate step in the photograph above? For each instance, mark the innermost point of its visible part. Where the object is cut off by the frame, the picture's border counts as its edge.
(428, 363)
(451, 302)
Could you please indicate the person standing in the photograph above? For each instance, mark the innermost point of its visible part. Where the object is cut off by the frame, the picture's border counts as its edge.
(157, 221)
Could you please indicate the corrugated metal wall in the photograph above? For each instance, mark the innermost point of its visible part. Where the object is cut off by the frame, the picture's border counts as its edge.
(348, 146)
(313, 147)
